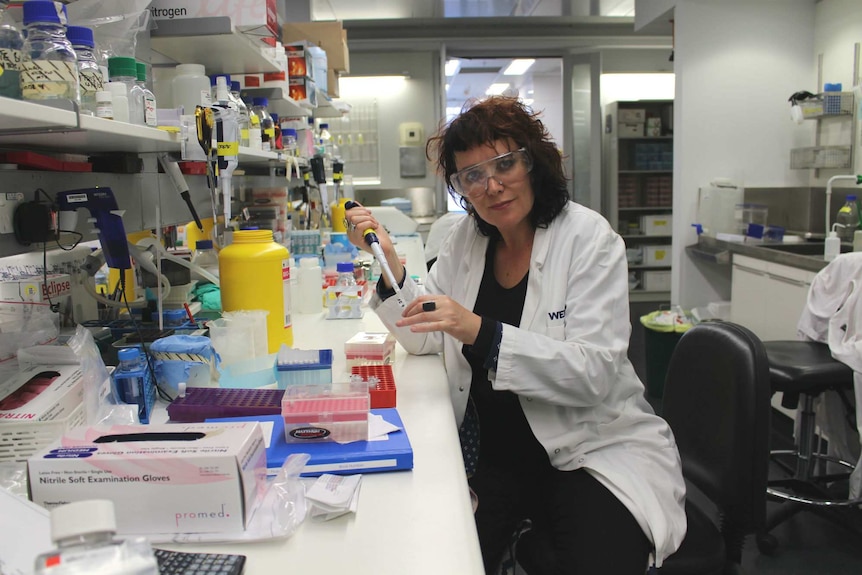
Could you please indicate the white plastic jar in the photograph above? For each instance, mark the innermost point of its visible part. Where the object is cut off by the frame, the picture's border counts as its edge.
(119, 100)
(191, 87)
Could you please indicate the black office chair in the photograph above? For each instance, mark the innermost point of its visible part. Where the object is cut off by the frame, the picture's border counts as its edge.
(803, 370)
(716, 400)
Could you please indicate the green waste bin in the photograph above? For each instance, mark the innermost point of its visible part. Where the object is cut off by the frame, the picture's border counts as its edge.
(663, 329)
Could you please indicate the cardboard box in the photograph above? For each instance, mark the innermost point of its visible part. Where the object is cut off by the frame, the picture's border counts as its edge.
(631, 115)
(299, 60)
(657, 225)
(41, 393)
(631, 130)
(190, 478)
(302, 90)
(244, 14)
(330, 36)
(657, 255)
(36, 289)
(656, 281)
(332, 87)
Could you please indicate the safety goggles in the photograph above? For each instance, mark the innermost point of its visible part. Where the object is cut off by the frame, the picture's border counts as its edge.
(509, 167)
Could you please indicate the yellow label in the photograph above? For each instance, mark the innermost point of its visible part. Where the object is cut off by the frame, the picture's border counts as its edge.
(243, 134)
(270, 132)
(228, 148)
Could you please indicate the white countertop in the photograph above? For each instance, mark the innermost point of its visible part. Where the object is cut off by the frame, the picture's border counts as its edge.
(415, 522)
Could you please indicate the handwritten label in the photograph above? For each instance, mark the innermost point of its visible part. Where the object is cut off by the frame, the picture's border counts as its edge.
(91, 81)
(10, 59)
(49, 79)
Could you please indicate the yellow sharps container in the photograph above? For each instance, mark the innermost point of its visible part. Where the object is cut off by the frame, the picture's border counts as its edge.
(255, 274)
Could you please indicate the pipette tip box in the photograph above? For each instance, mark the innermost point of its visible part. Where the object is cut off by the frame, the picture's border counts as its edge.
(317, 413)
(303, 367)
(369, 348)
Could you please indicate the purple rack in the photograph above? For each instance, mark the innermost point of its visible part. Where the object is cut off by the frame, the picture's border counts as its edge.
(202, 403)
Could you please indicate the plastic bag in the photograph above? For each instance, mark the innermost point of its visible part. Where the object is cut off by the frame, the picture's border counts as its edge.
(664, 320)
(100, 401)
(115, 24)
(279, 514)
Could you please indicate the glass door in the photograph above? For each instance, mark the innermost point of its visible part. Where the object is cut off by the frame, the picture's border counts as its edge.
(583, 134)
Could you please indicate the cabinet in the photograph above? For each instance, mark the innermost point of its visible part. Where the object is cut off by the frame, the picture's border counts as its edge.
(639, 193)
(768, 298)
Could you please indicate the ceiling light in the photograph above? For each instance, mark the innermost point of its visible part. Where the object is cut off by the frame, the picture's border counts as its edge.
(518, 67)
(452, 67)
(496, 89)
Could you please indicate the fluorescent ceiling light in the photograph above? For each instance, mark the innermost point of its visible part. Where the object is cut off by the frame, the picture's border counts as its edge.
(518, 67)
(496, 89)
(452, 67)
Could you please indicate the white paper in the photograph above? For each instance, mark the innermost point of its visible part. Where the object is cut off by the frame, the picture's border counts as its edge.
(26, 529)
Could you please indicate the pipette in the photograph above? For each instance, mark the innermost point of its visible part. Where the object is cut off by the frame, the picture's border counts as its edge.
(372, 242)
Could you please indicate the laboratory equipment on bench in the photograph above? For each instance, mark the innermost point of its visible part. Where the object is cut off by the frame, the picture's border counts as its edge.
(105, 214)
(372, 242)
(134, 383)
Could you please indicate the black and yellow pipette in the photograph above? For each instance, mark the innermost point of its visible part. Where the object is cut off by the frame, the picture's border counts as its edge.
(373, 242)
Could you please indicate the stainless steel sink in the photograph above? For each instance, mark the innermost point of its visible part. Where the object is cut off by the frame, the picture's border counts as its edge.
(804, 249)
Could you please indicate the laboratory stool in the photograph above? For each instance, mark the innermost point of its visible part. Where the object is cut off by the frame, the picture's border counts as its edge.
(802, 370)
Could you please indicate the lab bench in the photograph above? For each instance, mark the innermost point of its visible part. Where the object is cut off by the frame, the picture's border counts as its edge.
(419, 521)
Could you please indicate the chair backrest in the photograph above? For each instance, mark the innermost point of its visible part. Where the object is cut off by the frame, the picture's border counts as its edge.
(716, 400)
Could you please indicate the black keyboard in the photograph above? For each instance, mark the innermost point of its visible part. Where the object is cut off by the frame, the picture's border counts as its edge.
(184, 563)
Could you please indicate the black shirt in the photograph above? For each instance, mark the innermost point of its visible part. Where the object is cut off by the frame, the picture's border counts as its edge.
(505, 437)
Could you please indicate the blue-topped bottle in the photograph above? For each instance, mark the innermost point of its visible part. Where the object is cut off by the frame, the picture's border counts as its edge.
(11, 44)
(89, 74)
(49, 70)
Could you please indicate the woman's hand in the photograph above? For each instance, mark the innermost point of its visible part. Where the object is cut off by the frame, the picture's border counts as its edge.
(429, 313)
(358, 219)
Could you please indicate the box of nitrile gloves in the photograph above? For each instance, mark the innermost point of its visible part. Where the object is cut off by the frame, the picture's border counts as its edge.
(172, 478)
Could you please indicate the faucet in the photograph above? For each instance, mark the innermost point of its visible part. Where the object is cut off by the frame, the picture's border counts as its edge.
(856, 178)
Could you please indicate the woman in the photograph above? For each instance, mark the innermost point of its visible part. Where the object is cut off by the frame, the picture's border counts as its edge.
(528, 301)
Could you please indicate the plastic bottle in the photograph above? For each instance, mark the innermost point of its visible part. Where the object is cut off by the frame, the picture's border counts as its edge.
(310, 286)
(267, 129)
(104, 105)
(191, 87)
(243, 119)
(255, 135)
(49, 70)
(848, 217)
(832, 246)
(89, 74)
(120, 100)
(84, 533)
(147, 102)
(11, 44)
(206, 257)
(288, 140)
(125, 70)
(254, 273)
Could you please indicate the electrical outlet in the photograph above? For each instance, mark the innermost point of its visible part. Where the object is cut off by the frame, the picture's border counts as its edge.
(8, 202)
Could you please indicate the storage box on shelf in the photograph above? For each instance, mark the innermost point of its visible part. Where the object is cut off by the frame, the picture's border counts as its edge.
(640, 188)
(827, 107)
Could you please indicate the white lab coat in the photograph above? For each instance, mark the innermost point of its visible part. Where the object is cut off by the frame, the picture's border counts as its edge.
(833, 315)
(567, 362)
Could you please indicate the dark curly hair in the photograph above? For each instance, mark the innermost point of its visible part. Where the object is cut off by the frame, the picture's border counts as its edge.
(503, 118)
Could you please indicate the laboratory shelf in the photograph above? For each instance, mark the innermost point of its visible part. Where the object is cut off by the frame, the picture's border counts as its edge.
(279, 100)
(644, 237)
(329, 108)
(37, 126)
(250, 156)
(230, 53)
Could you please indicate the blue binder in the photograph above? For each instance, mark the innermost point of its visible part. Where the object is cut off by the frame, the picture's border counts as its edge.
(390, 454)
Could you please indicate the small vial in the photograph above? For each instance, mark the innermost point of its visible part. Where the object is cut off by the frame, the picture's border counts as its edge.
(104, 105)
(84, 533)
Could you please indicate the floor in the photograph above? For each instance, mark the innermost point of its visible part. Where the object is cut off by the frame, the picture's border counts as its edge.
(808, 543)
